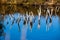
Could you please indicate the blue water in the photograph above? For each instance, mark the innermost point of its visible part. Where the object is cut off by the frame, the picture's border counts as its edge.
(36, 33)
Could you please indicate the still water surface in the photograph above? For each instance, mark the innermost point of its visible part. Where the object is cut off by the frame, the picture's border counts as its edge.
(12, 32)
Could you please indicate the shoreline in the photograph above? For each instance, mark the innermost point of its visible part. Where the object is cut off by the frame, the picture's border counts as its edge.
(10, 9)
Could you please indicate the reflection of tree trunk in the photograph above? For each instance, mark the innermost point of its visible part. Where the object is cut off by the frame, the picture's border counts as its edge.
(48, 16)
(7, 36)
(23, 33)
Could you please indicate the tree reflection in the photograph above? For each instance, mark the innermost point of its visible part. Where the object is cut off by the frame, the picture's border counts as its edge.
(48, 16)
(39, 15)
(2, 33)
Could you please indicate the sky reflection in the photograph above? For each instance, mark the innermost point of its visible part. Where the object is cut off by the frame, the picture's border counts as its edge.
(37, 33)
